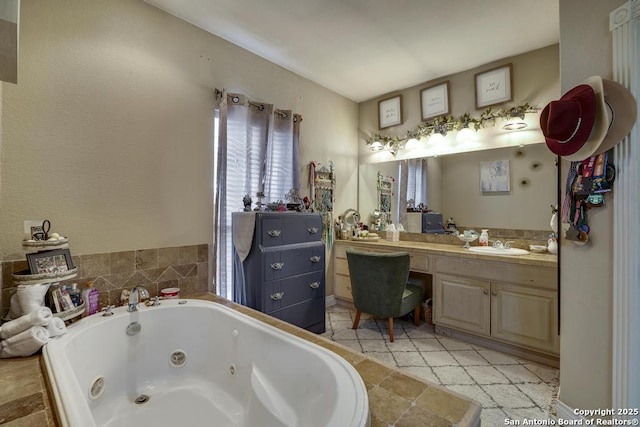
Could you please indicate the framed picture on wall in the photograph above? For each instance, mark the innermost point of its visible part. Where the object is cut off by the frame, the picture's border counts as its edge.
(494, 176)
(390, 112)
(434, 101)
(494, 86)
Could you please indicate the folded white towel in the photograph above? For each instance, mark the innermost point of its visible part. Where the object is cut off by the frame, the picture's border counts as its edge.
(56, 327)
(25, 343)
(15, 311)
(40, 317)
(31, 297)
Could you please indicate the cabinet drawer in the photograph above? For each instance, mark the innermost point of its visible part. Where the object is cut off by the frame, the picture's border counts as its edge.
(287, 229)
(304, 314)
(282, 293)
(300, 259)
(341, 267)
(540, 277)
(342, 287)
(419, 262)
(340, 251)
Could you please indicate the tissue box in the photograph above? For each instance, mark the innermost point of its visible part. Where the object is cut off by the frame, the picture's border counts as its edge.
(393, 235)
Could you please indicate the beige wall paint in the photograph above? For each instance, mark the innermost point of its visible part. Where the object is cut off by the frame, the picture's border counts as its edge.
(456, 187)
(535, 80)
(109, 132)
(586, 272)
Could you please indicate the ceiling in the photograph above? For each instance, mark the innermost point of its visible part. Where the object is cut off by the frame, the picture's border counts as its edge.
(362, 49)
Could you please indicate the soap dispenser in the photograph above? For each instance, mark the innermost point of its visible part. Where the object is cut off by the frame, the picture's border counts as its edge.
(484, 238)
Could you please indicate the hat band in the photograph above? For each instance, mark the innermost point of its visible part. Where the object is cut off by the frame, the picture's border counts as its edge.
(574, 131)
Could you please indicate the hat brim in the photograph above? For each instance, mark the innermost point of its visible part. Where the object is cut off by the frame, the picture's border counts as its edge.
(584, 96)
(616, 112)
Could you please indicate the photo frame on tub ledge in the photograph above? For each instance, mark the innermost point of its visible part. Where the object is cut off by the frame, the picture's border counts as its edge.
(434, 101)
(390, 112)
(53, 261)
(494, 86)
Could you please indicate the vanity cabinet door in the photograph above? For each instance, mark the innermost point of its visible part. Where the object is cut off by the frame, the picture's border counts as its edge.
(525, 316)
(462, 303)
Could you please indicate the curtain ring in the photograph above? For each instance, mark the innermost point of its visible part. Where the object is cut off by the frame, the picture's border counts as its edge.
(261, 107)
(235, 99)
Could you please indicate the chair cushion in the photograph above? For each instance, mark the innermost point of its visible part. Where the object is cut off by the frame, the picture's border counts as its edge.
(411, 298)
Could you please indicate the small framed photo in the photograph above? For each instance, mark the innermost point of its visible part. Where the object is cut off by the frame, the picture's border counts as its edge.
(53, 261)
(494, 86)
(434, 101)
(390, 112)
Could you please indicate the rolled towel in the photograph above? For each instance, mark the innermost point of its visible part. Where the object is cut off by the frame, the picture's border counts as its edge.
(25, 343)
(31, 297)
(40, 317)
(56, 327)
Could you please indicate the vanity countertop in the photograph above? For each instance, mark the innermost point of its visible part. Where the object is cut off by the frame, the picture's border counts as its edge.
(394, 397)
(534, 259)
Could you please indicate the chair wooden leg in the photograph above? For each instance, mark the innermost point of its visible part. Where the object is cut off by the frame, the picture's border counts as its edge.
(356, 320)
(391, 329)
(416, 316)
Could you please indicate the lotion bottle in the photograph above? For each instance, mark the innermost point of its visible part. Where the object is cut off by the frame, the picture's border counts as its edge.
(91, 297)
(484, 238)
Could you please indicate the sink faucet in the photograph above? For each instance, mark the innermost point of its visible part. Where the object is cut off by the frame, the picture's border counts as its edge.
(137, 294)
(498, 244)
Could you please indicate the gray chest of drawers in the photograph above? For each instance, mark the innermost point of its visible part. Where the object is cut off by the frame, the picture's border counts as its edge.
(284, 272)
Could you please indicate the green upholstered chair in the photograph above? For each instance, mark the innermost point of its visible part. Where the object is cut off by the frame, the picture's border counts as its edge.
(379, 286)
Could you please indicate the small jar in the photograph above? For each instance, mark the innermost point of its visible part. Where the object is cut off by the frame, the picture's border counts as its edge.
(483, 240)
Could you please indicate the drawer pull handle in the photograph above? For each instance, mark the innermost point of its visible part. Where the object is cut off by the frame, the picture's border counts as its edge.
(495, 294)
(277, 265)
(274, 233)
(315, 258)
(486, 292)
(312, 230)
(277, 296)
(314, 285)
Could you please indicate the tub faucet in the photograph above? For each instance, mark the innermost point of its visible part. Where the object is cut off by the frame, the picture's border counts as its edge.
(137, 294)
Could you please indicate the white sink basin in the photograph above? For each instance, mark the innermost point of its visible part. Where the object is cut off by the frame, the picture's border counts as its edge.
(498, 251)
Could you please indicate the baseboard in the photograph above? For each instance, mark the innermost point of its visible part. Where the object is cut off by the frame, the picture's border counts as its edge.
(330, 301)
(565, 412)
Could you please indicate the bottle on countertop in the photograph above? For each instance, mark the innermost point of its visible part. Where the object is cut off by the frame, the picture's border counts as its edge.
(484, 238)
(91, 297)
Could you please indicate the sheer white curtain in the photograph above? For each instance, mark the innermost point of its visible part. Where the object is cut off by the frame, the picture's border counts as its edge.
(257, 151)
(413, 185)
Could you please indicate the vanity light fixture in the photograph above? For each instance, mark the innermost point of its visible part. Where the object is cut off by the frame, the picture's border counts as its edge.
(516, 120)
(411, 144)
(376, 146)
(439, 132)
(465, 134)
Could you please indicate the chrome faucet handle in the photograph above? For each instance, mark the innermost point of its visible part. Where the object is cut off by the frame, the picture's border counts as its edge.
(498, 244)
(138, 293)
(106, 311)
(155, 301)
(507, 244)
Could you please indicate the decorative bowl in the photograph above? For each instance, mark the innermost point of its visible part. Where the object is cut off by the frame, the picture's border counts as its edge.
(467, 239)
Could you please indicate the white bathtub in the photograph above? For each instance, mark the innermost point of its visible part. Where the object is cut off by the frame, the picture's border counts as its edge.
(200, 364)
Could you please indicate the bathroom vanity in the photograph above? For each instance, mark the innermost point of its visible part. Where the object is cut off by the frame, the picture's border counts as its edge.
(509, 303)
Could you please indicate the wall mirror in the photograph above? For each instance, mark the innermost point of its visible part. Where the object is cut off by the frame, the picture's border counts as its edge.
(9, 17)
(453, 188)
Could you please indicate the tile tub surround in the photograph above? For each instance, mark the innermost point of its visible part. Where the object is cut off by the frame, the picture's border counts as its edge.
(395, 397)
(506, 386)
(184, 267)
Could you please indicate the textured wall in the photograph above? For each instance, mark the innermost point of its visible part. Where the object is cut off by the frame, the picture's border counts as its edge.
(109, 133)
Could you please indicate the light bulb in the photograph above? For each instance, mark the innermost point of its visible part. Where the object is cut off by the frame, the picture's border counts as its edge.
(465, 135)
(436, 138)
(376, 146)
(411, 144)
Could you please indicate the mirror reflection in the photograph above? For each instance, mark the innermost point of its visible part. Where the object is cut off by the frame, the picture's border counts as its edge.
(452, 185)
